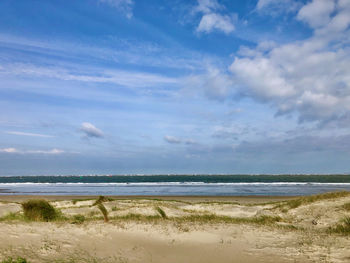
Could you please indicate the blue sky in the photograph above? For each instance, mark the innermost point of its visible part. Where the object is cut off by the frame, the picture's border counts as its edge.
(207, 86)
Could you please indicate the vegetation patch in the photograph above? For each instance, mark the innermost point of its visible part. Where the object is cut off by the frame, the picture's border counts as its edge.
(291, 204)
(210, 218)
(343, 227)
(78, 219)
(101, 207)
(12, 216)
(103, 211)
(39, 210)
(161, 212)
(101, 199)
(17, 260)
(346, 206)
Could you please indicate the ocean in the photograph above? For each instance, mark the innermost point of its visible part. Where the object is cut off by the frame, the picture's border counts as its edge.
(174, 185)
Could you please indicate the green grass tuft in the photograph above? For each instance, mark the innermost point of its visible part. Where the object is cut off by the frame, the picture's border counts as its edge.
(161, 212)
(78, 219)
(17, 260)
(39, 210)
(343, 227)
(12, 216)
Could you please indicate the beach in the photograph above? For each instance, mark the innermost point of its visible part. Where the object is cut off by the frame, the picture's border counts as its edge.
(192, 229)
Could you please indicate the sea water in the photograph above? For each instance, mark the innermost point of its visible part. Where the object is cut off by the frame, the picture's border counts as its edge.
(174, 185)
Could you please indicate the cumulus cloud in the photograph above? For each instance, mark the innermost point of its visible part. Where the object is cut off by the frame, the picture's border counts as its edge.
(14, 150)
(310, 77)
(212, 19)
(124, 6)
(90, 130)
(317, 13)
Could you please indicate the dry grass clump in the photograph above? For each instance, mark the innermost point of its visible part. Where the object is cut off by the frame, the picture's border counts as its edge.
(39, 210)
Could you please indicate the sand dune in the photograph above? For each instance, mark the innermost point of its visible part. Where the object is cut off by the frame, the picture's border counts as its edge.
(302, 230)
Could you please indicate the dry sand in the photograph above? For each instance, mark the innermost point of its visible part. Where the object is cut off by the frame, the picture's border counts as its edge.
(198, 229)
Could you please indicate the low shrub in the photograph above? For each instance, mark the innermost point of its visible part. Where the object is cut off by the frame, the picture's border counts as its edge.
(39, 210)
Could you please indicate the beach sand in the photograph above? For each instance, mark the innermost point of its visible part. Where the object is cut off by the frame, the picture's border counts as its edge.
(198, 229)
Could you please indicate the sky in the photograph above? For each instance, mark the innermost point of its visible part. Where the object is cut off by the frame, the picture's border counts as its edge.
(175, 87)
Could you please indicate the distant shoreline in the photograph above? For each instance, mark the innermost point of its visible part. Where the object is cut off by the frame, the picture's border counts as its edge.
(239, 199)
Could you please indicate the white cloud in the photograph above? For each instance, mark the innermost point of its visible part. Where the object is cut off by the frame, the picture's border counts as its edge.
(90, 130)
(213, 84)
(172, 139)
(118, 77)
(207, 6)
(317, 13)
(124, 6)
(9, 150)
(212, 19)
(273, 7)
(29, 134)
(53, 151)
(14, 150)
(310, 77)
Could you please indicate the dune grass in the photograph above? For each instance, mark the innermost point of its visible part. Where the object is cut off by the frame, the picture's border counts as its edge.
(101, 199)
(343, 227)
(101, 207)
(17, 260)
(206, 218)
(294, 203)
(12, 216)
(161, 212)
(103, 211)
(346, 206)
(78, 219)
(39, 210)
